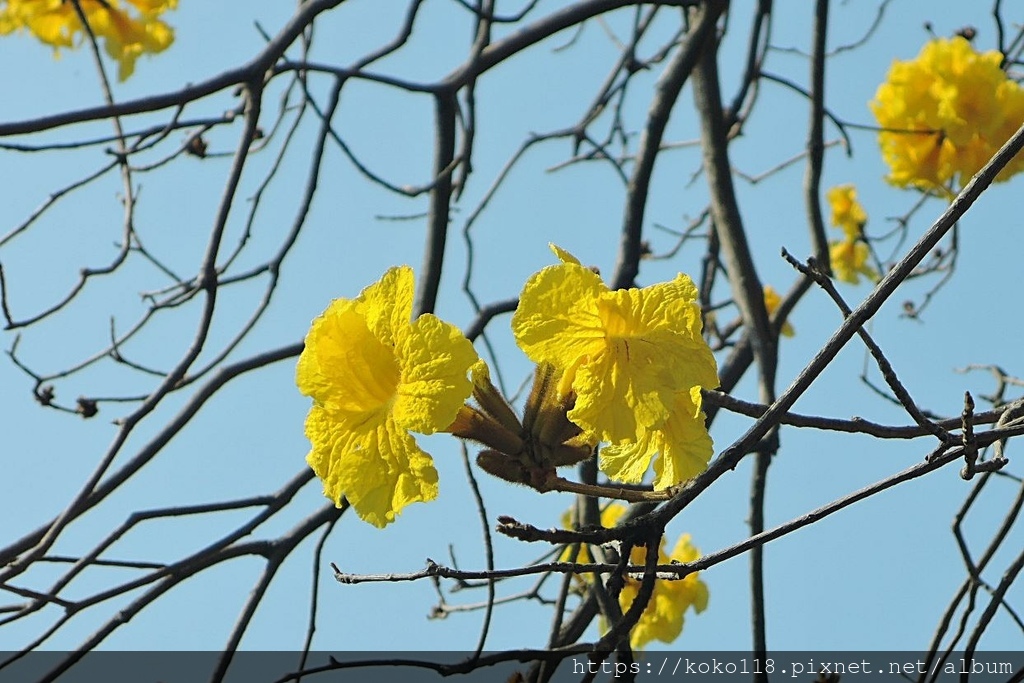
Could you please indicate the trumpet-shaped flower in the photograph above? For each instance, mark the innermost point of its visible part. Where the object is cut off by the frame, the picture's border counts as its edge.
(847, 212)
(626, 355)
(665, 613)
(850, 261)
(772, 301)
(125, 35)
(374, 376)
(945, 114)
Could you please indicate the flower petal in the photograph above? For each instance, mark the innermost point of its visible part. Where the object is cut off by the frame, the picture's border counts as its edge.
(686, 445)
(683, 442)
(563, 255)
(772, 301)
(850, 261)
(847, 212)
(557, 319)
(435, 360)
(380, 472)
(623, 354)
(373, 376)
(387, 304)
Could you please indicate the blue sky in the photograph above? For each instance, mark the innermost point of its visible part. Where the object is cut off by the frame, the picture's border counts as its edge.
(875, 576)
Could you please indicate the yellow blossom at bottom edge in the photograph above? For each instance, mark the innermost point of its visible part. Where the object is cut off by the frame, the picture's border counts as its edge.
(664, 616)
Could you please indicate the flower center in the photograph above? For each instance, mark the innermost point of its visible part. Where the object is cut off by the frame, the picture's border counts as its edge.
(614, 321)
(368, 373)
(376, 374)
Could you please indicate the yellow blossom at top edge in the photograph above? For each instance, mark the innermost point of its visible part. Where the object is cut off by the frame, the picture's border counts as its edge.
(847, 212)
(664, 616)
(126, 38)
(772, 301)
(154, 6)
(624, 353)
(48, 20)
(124, 35)
(374, 375)
(946, 113)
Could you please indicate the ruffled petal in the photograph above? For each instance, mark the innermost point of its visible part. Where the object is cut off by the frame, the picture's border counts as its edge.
(125, 38)
(379, 472)
(563, 255)
(847, 212)
(154, 6)
(850, 261)
(557, 319)
(680, 448)
(630, 349)
(387, 304)
(623, 355)
(435, 360)
(686, 447)
(772, 301)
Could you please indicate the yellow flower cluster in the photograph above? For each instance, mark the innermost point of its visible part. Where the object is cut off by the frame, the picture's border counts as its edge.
(621, 367)
(849, 256)
(945, 114)
(665, 613)
(125, 34)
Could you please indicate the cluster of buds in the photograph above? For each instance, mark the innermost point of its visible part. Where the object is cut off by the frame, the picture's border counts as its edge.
(523, 451)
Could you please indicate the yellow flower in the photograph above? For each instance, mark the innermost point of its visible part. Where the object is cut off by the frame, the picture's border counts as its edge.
(663, 619)
(850, 260)
(772, 300)
(847, 212)
(948, 111)
(627, 355)
(374, 376)
(125, 35)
